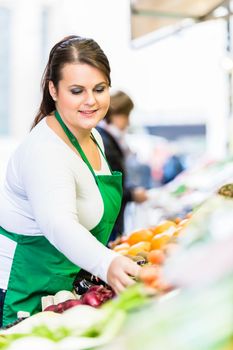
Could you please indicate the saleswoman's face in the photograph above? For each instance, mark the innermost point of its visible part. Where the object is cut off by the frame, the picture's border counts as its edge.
(82, 97)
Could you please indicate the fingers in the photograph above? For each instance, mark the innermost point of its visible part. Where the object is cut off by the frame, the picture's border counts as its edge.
(126, 280)
(118, 288)
(133, 269)
(120, 273)
(123, 282)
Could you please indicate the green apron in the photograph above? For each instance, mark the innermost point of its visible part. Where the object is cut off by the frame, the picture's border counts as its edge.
(38, 268)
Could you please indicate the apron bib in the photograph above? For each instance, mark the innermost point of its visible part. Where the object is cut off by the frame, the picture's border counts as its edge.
(38, 268)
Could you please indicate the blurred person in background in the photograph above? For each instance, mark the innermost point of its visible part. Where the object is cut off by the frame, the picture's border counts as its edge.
(172, 167)
(113, 129)
(60, 198)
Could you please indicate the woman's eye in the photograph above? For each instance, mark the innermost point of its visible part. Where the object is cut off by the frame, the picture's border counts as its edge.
(76, 91)
(100, 89)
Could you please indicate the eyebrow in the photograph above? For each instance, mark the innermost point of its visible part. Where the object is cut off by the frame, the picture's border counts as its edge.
(76, 85)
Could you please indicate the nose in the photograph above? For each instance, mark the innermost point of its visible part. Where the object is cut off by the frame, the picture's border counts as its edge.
(90, 98)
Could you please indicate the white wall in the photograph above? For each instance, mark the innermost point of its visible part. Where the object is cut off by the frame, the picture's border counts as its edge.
(25, 58)
(178, 79)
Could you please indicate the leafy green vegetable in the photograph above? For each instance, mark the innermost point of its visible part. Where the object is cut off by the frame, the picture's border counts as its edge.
(44, 332)
(133, 297)
(5, 341)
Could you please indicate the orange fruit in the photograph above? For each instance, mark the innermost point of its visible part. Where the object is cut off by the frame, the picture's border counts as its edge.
(156, 256)
(139, 247)
(122, 246)
(178, 231)
(159, 241)
(149, 274)
(163, 226)
(123, 239)
(184, 223)
(160, 285)
(177, 220)
(139, 236)
(123, 251)
(188, 215)
(112, 244)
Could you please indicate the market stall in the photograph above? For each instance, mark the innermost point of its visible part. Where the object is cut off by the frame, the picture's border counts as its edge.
(181, 300)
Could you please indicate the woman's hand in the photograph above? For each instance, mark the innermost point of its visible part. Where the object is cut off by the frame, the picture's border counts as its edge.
(120, 273)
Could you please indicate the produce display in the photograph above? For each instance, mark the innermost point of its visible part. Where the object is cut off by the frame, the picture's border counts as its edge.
(197, 313)
(182, 320)
(95, 296)
(190, 189)
(149, 247)
(80, 327)
(205, 249)
(182, 298)
(226, 190)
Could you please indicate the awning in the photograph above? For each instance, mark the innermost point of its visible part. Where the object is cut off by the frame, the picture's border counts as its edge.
(153, 19)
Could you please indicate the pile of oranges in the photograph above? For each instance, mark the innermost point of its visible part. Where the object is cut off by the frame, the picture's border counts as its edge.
(153, 244)
(150, 239)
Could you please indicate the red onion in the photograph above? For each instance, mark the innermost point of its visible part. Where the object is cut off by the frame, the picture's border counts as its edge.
(59, 308)
(97, 295)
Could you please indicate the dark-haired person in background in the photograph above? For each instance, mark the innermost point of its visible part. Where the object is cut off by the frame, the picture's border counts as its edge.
(60, 198)
(112, 129)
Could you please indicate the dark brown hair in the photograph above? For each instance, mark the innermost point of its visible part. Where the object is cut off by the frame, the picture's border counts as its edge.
(71, 49)
(120, 103)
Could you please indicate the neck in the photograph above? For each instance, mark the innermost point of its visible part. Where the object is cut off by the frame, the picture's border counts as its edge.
(82, 135)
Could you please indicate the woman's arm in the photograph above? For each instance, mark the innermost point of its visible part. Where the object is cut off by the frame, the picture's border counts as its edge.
(49, 183)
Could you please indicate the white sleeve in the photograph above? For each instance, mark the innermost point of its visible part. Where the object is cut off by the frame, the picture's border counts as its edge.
(49, 183)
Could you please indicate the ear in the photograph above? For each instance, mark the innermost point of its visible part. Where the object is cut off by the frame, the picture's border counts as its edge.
(52, 90)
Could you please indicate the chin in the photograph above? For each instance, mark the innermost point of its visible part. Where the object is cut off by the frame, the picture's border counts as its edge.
(89, 126)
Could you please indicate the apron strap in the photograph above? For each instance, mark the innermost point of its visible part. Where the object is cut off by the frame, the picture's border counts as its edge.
(74, 142)
(101, 151)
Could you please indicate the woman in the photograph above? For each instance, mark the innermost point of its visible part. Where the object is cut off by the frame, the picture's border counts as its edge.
(112, 130)
(60, 198)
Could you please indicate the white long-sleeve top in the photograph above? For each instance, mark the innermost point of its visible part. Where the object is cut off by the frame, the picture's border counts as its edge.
(50, 191)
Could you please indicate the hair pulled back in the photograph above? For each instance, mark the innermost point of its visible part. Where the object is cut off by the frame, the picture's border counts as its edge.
(71, 49)
(120, 103)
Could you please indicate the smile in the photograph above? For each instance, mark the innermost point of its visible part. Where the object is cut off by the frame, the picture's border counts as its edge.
(89, 112)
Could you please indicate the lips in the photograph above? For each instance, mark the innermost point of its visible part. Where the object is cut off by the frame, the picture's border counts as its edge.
(88, 112)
